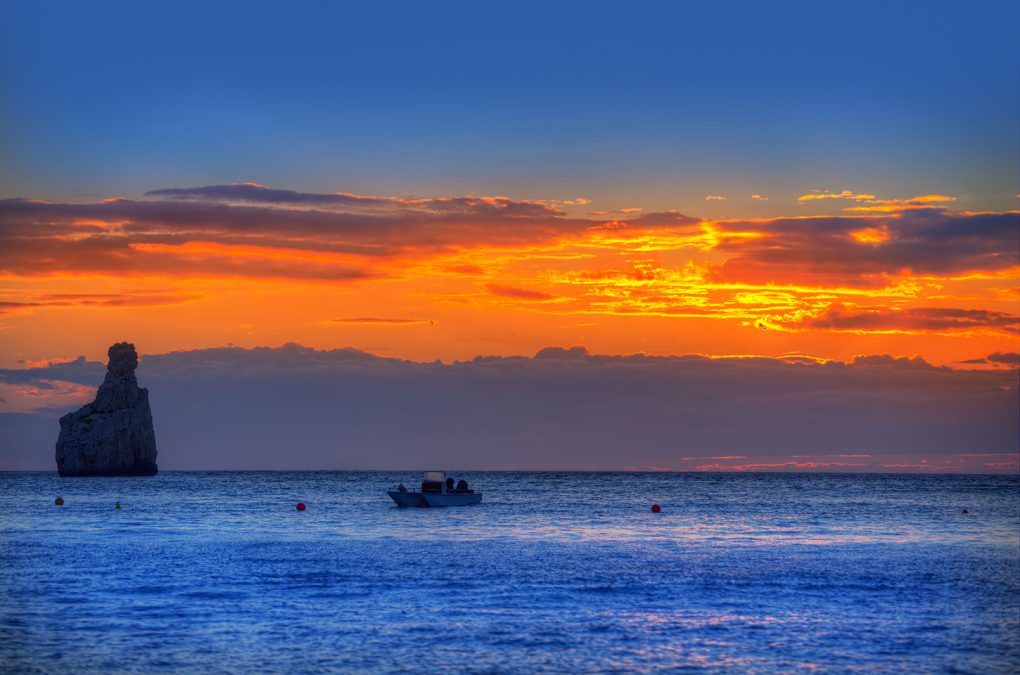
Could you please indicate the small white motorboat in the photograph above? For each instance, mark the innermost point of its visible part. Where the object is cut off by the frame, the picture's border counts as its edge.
(436, 490)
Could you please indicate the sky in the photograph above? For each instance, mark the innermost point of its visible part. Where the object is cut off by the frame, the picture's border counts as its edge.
(793, 196)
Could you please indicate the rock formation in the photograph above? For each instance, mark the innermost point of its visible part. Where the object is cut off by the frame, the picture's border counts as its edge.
(112, 436)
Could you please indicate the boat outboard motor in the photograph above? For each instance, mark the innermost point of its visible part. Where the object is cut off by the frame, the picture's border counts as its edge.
(462, 485)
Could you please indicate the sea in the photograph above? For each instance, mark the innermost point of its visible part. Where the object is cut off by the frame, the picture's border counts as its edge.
(553, 572)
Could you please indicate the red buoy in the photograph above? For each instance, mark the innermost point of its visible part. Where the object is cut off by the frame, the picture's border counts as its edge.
(301, 506)
(656, 508)
(422, 504)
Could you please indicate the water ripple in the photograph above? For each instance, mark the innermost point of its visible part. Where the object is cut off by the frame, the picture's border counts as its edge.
(217, 572)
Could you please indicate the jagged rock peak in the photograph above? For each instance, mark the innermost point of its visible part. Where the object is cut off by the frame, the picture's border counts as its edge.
(123, 360)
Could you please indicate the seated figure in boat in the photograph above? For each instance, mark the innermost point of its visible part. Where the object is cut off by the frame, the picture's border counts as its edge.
(433, 482)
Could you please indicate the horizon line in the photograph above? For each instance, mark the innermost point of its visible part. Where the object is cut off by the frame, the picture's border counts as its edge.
(458, 471)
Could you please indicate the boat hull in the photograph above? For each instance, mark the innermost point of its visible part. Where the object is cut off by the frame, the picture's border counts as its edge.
(434, 499)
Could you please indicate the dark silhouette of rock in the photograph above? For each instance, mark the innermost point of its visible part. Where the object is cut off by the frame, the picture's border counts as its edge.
(113, 435)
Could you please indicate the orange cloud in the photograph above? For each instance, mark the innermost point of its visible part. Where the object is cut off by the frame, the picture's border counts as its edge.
(895, 205)
(827, 249)
(39, 301)
(883, 320)
(871, 235)
(875, 205)
(251, 253)
(381, 321)
(30, 396)
(518, 293)
(825, 194)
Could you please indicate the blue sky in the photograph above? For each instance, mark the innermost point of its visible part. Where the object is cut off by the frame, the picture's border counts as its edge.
(653, 104)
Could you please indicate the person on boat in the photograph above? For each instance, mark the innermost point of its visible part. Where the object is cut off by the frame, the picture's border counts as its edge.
(402, 488)
(462, 485)
(449, 484)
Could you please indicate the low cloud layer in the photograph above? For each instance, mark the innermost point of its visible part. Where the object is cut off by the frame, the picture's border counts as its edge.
(298, 408)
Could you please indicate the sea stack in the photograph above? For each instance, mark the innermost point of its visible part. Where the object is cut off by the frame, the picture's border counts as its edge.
(113, 435)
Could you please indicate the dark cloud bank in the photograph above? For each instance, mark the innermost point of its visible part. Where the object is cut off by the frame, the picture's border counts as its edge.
(298, 408)
(935, 319)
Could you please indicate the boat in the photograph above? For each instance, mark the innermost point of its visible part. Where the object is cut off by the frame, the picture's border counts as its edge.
(436, 490)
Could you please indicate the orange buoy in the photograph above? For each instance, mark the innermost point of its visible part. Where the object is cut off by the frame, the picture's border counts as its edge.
(301, 506)
(59, 501)
(656, 508)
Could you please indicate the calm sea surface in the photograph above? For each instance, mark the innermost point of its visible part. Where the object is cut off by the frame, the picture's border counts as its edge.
(218, 572)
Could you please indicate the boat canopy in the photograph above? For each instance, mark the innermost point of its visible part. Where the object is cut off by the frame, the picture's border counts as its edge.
(435, 476)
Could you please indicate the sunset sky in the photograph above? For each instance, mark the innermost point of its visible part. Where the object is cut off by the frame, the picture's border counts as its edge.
(822, 184)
